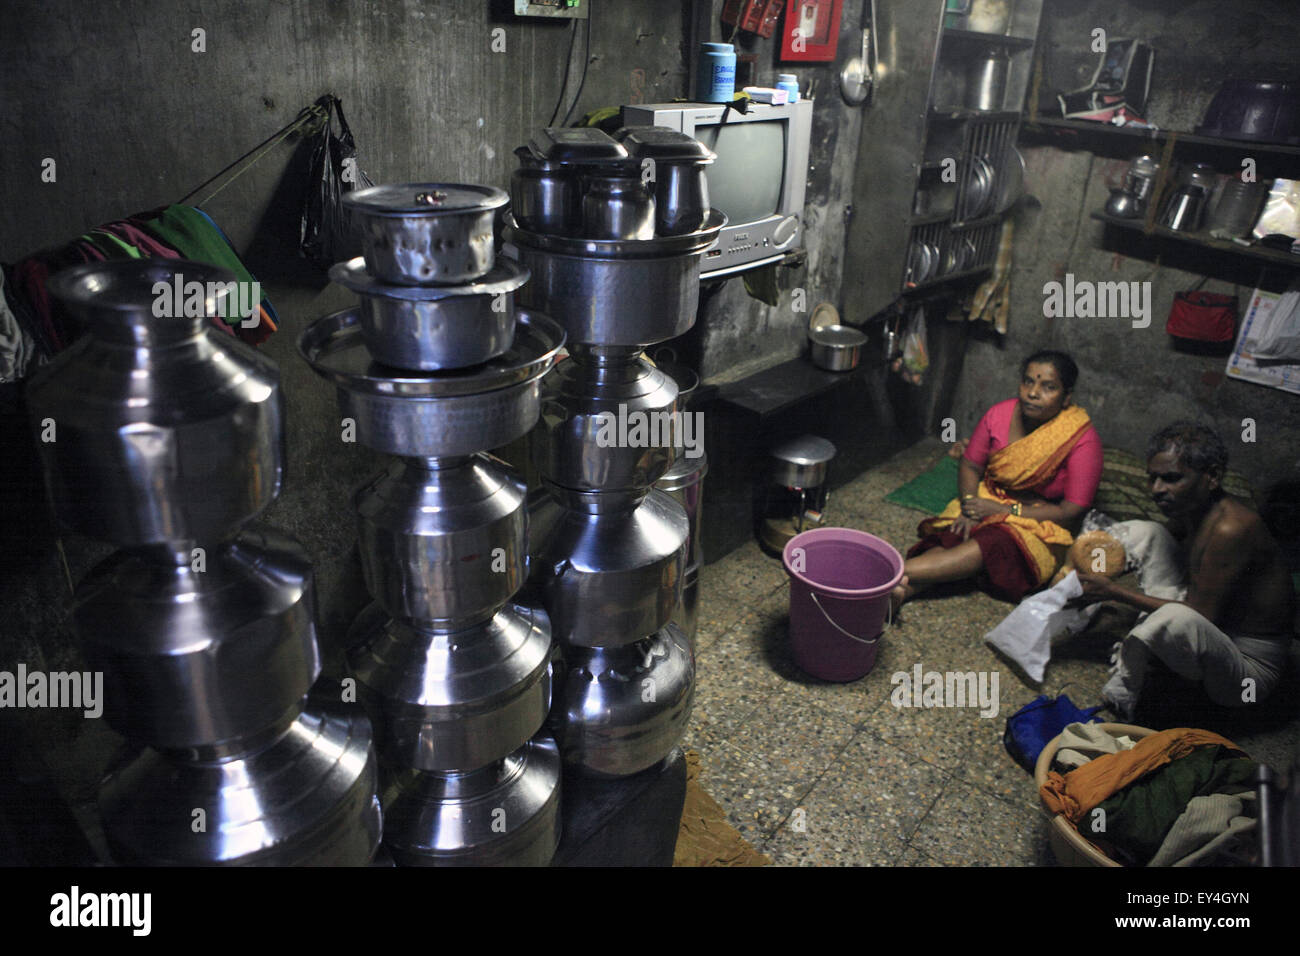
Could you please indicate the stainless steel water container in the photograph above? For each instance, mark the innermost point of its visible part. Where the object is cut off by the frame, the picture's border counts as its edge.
(435, 327)
(987, 81)
(426, 233)
(610, 292)
(431, 414)
(684, 482)
(202, 655)
(609, 422)
(620, 710)
(305, 797)
(504, 814)
(609, 578)
(676, 164)
(155, 429)
(687, 615)
(453, 700)
(442, 540)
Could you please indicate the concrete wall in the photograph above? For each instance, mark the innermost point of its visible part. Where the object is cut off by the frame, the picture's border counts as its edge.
(1134, 380)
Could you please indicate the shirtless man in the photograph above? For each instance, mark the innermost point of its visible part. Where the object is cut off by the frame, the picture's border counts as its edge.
(1232, 631)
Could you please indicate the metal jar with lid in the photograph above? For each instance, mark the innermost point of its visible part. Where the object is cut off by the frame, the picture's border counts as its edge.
(676, 164)
(986, 85)
(426, 233)
(801, 462)
(545, 195)
(618, 205)
(1140, 179)
(796, 494)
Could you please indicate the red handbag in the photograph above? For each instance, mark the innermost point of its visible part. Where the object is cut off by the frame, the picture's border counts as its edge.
(1203, 316)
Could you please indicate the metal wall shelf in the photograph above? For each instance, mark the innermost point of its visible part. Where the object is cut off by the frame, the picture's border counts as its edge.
(1203, 239)
(1063, 127)
(975, 37)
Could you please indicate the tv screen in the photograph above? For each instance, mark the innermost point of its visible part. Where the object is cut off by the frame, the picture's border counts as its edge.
(745, 180)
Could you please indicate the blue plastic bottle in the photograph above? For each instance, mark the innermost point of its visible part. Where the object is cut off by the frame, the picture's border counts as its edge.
(716, 76)
(790, 83)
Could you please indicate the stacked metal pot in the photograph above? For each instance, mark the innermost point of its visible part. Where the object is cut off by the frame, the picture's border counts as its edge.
(609, 550)
(684, 481)
(435, 365)
(165, 437)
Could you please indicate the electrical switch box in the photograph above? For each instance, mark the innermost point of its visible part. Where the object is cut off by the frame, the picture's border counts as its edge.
(572, 9)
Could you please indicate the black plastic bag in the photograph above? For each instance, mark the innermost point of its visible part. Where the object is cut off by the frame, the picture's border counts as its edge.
(326, 235)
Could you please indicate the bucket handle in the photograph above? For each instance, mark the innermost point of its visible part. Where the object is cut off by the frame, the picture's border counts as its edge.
(861, 640)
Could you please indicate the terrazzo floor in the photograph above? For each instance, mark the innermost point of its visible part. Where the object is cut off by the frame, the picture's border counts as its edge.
(816, 773)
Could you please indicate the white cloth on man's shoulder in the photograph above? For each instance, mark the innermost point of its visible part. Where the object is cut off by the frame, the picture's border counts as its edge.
(1153, 552)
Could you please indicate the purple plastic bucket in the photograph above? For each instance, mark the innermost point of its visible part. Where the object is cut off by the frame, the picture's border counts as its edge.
(840, 581)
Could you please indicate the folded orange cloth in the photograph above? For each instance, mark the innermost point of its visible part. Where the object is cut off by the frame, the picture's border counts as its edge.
(1085, 787)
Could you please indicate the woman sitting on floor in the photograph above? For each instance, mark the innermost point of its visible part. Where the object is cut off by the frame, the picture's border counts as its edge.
(1028, 474)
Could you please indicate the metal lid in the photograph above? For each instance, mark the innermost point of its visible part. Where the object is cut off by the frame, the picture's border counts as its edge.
(823, 315)
(425, 199)
(805, 450)
(584, 144)
(843, 336)
(658, 247)
(664, 145)
(506, 276)
(336, 350)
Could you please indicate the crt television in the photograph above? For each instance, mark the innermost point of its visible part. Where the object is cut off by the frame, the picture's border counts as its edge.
(757, 180)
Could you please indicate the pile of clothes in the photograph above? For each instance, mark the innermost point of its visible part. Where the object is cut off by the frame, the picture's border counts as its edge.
(34, 328)
(1180, 797)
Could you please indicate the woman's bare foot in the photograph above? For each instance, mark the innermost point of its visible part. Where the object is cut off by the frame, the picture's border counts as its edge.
(901, 594)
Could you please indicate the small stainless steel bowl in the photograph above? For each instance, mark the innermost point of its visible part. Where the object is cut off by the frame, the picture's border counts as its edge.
(837, 348)
(431, 328)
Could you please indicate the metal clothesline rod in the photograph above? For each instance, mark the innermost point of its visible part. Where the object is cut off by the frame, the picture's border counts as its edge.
(307, 115)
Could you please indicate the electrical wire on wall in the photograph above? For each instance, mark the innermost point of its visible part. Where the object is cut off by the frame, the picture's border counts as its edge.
(568, 68)
(586, 61)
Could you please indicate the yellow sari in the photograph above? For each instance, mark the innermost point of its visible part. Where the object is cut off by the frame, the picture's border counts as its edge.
(1026, 463)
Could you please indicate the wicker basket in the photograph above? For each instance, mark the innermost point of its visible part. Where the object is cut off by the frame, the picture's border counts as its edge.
(1068, 846)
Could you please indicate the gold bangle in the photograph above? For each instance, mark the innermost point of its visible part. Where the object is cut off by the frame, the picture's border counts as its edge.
(1016, 509)
(967, 497)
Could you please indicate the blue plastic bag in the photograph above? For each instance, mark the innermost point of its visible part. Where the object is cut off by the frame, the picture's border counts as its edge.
(1033, 726)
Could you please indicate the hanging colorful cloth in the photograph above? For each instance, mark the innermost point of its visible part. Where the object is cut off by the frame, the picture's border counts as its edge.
(195, 236)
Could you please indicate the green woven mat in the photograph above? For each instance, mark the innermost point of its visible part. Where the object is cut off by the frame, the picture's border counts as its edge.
(931, 490)
(1122, 493)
